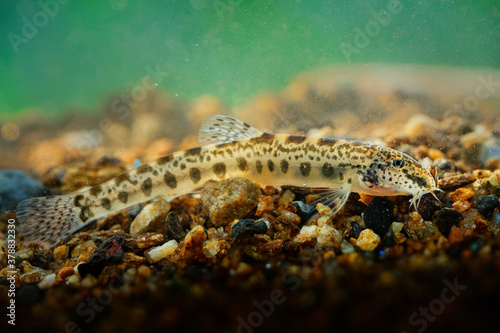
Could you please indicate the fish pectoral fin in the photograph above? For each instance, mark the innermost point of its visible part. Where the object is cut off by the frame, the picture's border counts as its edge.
(220, 129)
(333, 197)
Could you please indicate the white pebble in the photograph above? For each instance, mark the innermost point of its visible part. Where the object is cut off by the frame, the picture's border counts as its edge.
(368, 240)
(47, 282)
(163, 251)
(329, 236)
(150, 214)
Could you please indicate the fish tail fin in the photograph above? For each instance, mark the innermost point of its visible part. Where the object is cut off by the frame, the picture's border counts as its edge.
(49, 219)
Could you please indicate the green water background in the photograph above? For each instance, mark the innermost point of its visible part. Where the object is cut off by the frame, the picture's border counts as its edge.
(89, 50)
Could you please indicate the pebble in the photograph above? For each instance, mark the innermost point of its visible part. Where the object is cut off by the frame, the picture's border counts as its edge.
(151, 218)
(229, 199)
(16, 186)
(307, 233)
(454, 181)
(243, 230)
(445, 219)
(458, 235)
(174, 227)
(271, 248)
(192, 248)
(324, 220)
(85, 247)
(265, 205)
(329, 236)
(61, 252)
(355, 229)
(108, 253)
(65, 272)
(378, 216)
(144, 241)
(211, 247)
(289, 217)
(486, 204)
(421, 125)
(346, 247)
(144, 271)
(394, 235)
(461, 194)
(47, 282)
(31, 274)
(130, 260)
(287, 197)
(323, 209)
(368, 240)
(304, 211)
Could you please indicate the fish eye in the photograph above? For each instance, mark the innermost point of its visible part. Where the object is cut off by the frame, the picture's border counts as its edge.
(398, 163)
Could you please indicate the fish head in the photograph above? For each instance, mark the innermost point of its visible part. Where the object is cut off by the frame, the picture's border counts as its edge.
(391, 172)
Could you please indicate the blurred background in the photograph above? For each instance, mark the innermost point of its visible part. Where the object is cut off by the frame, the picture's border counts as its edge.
(58, 56)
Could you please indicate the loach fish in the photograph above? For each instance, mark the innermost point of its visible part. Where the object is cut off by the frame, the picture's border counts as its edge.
(233, 148)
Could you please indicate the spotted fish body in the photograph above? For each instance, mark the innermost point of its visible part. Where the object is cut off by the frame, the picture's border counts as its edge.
(235, 149)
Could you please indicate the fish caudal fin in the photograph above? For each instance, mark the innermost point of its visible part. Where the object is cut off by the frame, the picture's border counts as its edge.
(48, 219)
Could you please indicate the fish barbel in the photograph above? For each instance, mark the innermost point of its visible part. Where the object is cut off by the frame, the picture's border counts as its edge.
(235, 149)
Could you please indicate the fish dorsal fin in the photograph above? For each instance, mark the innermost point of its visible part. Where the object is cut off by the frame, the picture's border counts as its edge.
(219, 129)
(333, 197)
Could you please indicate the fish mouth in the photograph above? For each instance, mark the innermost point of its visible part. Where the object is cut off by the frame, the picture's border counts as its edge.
(415, 200)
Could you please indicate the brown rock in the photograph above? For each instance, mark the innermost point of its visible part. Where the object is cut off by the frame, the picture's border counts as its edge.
(151, 218)
(144, 241)
(229, 199)
(87, 247)
(192, 247)
(271, 248)
(61, 252)
(31, 274)
(458, 236)
(454, 181)
(462, 194)
(65, 272)
(174, 227)
(265, 205)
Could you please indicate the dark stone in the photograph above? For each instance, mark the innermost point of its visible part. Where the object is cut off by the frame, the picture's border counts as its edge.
(304, 211)
(174, 227)
(428, 205)
(378, 216)
(16, 186)
(445, 219)
(28, 295)
(487, 204)
(244, 229)
(110, 252)
(356, 229)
